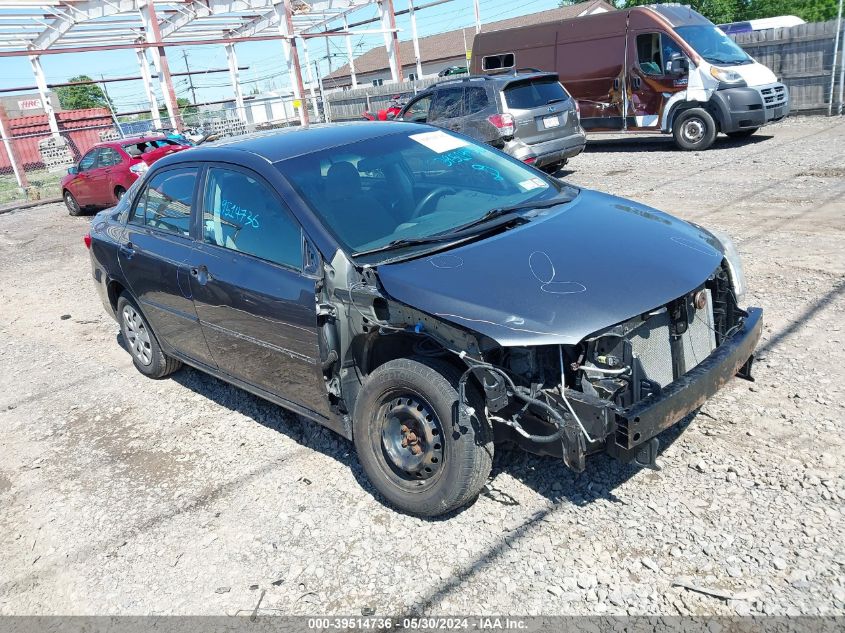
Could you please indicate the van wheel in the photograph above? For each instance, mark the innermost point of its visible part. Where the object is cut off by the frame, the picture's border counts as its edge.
(416, 450)
(141, 342)
(72, 205)
(694, 129)
(743, 133)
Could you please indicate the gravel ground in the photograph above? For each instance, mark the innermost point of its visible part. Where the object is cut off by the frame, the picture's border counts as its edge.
(125, 495)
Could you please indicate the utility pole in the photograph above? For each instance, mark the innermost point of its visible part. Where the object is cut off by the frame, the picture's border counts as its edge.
(190, 77)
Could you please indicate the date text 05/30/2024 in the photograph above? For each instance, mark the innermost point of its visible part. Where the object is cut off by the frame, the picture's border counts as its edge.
(482, 623)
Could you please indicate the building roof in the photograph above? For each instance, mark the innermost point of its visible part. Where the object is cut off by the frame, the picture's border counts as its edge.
(448, 45)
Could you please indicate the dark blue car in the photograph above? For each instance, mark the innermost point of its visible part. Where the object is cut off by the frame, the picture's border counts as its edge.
(425, 296)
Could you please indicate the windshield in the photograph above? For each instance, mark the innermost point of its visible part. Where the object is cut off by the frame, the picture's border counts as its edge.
(713, 45)
(410, 187)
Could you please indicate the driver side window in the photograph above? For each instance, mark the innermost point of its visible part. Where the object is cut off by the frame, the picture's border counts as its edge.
(89, 160)
(165, 202)
(654, 51)
(418, 110)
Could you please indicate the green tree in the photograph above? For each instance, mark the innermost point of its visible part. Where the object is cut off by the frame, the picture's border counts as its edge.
(82, 96)
(186, 108)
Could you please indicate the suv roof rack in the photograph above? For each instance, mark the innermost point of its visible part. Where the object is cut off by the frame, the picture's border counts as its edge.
(462, 79)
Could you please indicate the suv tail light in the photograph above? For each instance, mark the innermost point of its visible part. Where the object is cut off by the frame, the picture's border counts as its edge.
(503, 123)
(87, 240)
(577, 108)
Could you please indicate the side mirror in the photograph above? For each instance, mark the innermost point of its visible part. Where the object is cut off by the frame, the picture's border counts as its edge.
(73, 170)
(678, 64)
(391, 116)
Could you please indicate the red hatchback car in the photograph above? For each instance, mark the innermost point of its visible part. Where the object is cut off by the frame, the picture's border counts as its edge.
(107, 170)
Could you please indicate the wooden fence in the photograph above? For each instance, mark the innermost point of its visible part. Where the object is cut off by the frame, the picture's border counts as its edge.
(802, 57)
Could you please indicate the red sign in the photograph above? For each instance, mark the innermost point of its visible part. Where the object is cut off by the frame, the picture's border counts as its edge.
(29, 104)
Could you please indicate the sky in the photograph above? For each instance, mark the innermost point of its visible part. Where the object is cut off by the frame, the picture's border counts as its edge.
(265, 60)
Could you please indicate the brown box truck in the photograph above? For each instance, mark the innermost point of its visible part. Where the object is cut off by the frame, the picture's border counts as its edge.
(662, 68)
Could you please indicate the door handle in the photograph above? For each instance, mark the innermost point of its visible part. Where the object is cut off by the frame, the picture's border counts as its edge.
(635, 82)
(616, 84)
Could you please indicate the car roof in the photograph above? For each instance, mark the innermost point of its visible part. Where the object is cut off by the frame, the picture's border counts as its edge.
(504, 77)
(278, 145)
(129, 141)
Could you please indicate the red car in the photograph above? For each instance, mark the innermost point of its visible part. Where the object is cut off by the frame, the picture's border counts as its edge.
(108, 169)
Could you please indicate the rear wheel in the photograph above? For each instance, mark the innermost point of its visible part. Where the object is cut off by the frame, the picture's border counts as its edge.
(694, 129)
(743, 133)
(72, 205)
(141, 342)
(415, 448)
(118, 193)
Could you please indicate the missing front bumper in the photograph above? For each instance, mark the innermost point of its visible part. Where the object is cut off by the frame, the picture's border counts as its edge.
(644, 420)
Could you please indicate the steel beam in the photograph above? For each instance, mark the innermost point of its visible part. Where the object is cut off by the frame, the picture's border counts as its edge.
(350, 57)
(415, 38)
(292, 58)
(148, 15)
(44, 93)
(232, 58)
(148, 87)
(391, 39)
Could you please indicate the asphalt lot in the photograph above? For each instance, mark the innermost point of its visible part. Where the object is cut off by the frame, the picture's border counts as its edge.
(119, 494)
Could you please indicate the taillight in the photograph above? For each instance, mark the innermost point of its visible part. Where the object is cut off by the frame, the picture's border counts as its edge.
(530, 161)
(577, 108)
(503, 123)
(87, 240)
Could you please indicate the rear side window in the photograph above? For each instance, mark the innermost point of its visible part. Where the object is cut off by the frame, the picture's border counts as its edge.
(165, 202)
(241, 214)
(89, 160)
(534, 93)
(109, 157)
(475, 100)
(494, 62)
(447, 104)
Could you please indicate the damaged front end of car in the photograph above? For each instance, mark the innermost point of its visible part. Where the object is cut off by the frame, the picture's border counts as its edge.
(613, 391)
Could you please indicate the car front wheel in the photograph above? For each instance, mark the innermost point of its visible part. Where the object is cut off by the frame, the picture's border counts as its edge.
(141, 342)
(694, 129)
(417, 449)
(72, 205)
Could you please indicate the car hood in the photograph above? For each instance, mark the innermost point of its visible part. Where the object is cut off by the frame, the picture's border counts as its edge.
(574, 269)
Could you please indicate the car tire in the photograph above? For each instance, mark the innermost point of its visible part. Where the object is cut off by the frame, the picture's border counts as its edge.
(743, 133)
(694, 129)
(416, 400)
(72, 205)
(118, 193)
(141, 341)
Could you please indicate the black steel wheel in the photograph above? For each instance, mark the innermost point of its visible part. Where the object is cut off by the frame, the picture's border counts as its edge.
(416, 449)
(694, 129)
(72, 205)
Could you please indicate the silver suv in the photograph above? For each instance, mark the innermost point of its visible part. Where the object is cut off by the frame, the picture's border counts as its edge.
(527, 114)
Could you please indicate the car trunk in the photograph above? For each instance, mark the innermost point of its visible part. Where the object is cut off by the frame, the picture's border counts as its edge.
(542, 109)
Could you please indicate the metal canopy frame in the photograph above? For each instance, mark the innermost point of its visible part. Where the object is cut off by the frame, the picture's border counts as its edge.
(33, 28)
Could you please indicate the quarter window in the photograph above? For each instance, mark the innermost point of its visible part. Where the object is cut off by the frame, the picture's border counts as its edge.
(242, 214)
(654, 51)
(494, 62)
(165, 202)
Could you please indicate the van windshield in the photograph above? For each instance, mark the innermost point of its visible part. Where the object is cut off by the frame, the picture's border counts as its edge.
(713, 45)
(408, 187)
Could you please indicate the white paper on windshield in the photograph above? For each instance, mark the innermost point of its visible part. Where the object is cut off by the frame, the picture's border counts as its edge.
(533, 183)
(439, 141)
